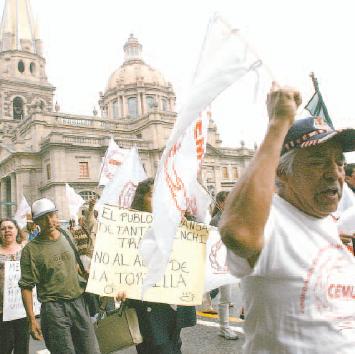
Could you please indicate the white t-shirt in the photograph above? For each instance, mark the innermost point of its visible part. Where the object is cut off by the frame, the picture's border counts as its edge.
(300, 296)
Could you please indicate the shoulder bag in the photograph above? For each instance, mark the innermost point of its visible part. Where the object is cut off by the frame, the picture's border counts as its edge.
(92, 300)
(117, 329)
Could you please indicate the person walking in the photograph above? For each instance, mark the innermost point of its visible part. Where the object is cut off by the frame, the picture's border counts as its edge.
(14, 336)
(49, 263)
(160, 324)
(225, 291)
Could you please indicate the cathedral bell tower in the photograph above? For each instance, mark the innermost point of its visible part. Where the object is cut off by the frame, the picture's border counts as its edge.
(24, 87)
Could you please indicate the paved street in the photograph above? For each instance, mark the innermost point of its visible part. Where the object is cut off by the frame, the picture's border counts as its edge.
(202, 338)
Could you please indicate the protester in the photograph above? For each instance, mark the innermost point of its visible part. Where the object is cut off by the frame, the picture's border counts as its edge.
(32, 229)
(14, 334)
(160, 324)
(225, 291)
(296, 272)
(49, 263)
(350, 176)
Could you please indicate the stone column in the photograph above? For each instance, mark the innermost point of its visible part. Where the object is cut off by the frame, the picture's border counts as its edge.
(13, 193)
(124, 106)
(2, 198)
(139, 105)
(172, 104)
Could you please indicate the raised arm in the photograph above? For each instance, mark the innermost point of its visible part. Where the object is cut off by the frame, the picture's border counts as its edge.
(248, 205)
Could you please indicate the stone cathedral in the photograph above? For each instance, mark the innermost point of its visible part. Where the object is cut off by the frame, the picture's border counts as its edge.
(41, 148)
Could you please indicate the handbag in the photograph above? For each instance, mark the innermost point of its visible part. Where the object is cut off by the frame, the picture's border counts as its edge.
(117, 329)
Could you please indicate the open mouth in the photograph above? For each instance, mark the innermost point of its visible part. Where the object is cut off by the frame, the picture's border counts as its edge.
(331, 193)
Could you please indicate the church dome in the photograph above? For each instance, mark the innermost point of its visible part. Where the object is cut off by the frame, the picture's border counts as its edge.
(134, 71)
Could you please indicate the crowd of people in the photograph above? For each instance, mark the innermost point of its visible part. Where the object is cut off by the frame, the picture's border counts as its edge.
(297, 278)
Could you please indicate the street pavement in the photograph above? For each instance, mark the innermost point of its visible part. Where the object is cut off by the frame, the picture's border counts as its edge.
(203, 338)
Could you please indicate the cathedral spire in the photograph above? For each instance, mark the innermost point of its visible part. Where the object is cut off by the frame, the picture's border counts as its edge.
(18, 30)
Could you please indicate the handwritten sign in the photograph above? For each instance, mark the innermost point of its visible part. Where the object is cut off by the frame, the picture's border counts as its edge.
(116, 264)
(12, 306)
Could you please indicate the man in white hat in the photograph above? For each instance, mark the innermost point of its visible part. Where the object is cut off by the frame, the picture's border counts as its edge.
(48, 262)
(297, 278)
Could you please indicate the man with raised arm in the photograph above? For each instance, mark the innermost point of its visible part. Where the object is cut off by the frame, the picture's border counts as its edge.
(297, 278)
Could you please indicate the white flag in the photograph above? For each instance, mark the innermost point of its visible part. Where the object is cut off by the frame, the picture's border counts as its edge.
(120, 191)
(113, 159)
(21, 212)
(75, 201)
(224, 59)
(217, 271)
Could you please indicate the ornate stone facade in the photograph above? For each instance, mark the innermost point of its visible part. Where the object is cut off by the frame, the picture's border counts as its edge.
(41, 149)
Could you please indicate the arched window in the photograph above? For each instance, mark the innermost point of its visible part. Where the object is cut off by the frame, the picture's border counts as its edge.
(33, 68)
(18, 108)
(132, 107)
(164, 103)
(115, 109)
(150, 103)
(87, 195)
(21, 66)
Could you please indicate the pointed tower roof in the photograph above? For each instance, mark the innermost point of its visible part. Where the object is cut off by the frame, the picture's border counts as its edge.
(18, 30)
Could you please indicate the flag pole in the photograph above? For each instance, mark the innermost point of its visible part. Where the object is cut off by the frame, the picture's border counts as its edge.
(314, 81)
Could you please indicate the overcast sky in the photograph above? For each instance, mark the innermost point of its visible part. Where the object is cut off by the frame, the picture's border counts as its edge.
(83, 42)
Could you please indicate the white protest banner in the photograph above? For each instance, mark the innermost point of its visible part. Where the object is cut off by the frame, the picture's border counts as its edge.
(217, 272)
(225, 57)
(12, 303)
(120, 190)
(113, 158)
(21, 212)
(74, 200)
(116, 264)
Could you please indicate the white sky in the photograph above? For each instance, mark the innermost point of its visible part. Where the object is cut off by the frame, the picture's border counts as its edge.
(83, 42)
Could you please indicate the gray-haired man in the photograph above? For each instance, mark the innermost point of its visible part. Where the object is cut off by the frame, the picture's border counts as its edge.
(298, 279)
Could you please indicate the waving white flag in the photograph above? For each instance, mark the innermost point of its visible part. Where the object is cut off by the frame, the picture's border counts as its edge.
(75, 201)
(217, 272)
(224, 58)
(120, 191)
(21, 212)
(114, 157)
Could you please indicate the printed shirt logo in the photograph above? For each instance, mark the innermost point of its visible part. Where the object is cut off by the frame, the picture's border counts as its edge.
(329, 288)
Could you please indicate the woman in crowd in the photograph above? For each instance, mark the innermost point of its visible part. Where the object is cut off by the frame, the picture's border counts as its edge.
(14, 335)
(225, 290)
(160, 324)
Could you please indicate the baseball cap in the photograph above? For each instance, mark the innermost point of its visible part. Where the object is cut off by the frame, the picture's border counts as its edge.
(312, 131)
(42, 207)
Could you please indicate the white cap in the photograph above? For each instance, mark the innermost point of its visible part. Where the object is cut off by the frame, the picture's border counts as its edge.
(42, 207)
